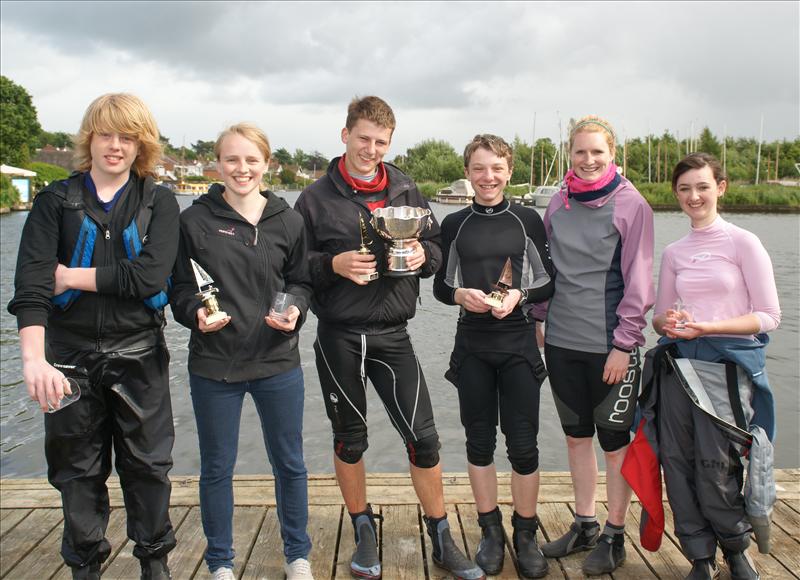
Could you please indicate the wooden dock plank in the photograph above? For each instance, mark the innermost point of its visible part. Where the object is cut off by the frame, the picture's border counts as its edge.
(31, 527)
(266, 558)
(246, 523)
(323, 528)
(401, 546)
(10, 518)
(19, 542)
(787, 519)
(669, 561)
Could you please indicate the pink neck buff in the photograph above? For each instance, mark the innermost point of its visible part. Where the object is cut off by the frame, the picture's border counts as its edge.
(576, 184)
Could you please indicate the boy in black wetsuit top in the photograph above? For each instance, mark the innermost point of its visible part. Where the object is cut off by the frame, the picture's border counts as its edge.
(362, 328)
(496, 364)
(94, 259)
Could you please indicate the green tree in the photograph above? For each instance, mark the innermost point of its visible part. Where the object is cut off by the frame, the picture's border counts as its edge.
(316, 160)
(432, 161)
(58, 139)
(709, 144)
(46, 173)
(282, 156)
(299, 158)
(288, 177)
(19, 128)
(9, 195)
(204, 149)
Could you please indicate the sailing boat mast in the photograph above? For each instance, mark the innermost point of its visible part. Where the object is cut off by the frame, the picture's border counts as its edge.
(533, 150)
(758, 157)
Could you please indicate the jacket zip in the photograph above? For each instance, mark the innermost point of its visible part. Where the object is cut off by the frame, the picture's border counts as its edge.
(235, 358)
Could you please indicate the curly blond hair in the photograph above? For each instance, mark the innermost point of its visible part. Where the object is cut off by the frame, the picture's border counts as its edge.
(125, 114)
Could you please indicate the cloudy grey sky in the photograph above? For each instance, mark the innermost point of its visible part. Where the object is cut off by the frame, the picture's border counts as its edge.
(449, 69)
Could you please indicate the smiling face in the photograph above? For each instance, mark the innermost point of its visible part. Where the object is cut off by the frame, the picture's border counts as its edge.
(242, 165)
(488, 175)
(590, 155)
(365, 145)
(697, 194)
(112, 154)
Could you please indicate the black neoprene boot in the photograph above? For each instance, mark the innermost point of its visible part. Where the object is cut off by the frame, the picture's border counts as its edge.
(365, 562)
(703, 569)
(447, 555)
(491, 550)
(532, 563)
(90, 572)
(741, 565)
(155, 569)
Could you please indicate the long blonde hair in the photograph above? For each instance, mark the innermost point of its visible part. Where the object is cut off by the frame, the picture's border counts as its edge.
(125, 114)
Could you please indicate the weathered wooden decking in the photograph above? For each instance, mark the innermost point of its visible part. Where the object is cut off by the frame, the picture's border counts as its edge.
(31, 525)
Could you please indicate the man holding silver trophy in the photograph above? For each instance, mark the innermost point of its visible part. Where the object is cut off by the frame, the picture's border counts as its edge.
(362, 332)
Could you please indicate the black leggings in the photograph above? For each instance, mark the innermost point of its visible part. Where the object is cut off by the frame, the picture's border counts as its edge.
(584, 401)
(345, 360)
(490, 381)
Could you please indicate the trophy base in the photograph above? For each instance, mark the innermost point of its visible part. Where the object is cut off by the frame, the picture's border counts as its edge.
(494, 300)
(369, 277)
(216, 317)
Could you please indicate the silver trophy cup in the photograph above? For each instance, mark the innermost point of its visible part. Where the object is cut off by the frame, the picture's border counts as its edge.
(401, 225)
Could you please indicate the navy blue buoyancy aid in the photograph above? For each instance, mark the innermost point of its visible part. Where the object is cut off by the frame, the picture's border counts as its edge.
(79, 232)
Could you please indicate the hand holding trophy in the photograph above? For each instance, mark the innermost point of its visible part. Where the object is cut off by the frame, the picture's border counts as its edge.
(501, 288)
(206, 292)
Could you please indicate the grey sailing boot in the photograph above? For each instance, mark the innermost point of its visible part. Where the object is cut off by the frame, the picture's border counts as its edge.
(155, 569)
(532, 563)
(491, 550)
(704, 569)
(365, 562)
(608, 554)
(90, 572)
(446, 554)
(580, 536)
(741, 565)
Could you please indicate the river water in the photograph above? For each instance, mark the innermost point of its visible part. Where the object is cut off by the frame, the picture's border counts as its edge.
(432, 331)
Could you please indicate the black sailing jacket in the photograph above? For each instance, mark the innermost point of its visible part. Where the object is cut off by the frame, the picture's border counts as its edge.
(330, 209)
(115, 317)
(249, 265)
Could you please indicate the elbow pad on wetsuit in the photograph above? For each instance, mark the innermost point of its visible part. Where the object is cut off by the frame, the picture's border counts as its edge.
(424, 452)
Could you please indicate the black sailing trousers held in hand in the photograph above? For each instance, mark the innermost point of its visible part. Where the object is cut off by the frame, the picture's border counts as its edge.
(126, 403)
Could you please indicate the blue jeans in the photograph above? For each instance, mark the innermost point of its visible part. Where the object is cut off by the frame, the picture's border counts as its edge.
(218, 410)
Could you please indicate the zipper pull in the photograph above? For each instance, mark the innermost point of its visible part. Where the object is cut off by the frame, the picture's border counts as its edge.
(255, 240)
(108, 234)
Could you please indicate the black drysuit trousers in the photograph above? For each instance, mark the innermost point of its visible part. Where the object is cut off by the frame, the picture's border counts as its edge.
(124, 403)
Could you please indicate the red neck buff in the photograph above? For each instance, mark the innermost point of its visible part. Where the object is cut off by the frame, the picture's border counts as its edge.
(576, 184)
(378, 183)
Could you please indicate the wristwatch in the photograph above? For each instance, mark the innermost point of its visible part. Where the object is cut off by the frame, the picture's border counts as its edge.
(524, 298)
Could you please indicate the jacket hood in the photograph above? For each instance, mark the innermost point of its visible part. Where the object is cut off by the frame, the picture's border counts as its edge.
(214, 201)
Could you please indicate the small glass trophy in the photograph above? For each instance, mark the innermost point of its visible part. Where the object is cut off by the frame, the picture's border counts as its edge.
(363, 250)
(501, 288)
(206, 293)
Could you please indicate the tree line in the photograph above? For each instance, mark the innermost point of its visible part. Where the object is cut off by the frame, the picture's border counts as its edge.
(644, 160)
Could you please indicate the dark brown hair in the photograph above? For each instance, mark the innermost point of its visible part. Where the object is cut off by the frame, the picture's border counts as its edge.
(698, 161)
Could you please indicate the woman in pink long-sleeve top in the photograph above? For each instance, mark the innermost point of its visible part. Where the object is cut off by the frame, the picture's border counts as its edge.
(716, 298)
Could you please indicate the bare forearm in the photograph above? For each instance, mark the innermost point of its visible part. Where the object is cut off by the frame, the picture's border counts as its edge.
(31, 342)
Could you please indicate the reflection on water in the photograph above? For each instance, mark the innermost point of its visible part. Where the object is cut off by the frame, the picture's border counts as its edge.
(432, 331)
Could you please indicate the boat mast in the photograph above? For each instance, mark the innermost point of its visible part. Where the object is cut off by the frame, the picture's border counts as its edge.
(533, 150)
(760, 138)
